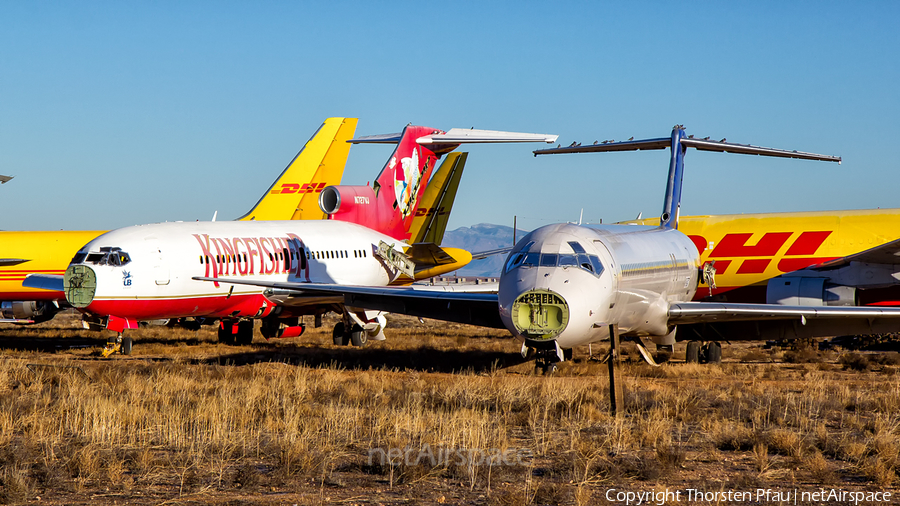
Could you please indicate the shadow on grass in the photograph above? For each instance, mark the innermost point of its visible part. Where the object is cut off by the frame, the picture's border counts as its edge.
(424, 359)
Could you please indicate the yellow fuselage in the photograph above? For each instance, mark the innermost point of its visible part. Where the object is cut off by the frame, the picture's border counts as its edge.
(749, 249)
(41, 253)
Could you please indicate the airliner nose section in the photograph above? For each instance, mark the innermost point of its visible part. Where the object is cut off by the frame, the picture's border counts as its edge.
(80, 285)
(540, 314)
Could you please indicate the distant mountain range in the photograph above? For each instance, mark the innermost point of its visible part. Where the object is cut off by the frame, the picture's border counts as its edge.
(482, 237)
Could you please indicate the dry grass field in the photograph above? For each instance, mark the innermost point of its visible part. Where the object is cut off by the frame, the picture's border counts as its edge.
(185, 420)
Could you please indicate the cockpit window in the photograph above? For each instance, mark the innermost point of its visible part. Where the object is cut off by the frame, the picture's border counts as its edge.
(549, 259)
(107, 256)
(576, 247)
(595, 263)
(566, 260)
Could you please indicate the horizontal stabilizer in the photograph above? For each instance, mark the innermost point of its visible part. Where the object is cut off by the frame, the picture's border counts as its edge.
(472, 136)
(428, 254)
(5, 179)
(459, 136)
(44, 282)
(484, 254)
(700, 144)
(378, 139)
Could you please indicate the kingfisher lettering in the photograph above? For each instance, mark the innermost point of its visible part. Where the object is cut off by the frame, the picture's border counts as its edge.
(732, 247)
(248, 256)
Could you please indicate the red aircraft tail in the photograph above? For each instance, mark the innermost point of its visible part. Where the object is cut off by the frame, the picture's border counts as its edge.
(389, 205)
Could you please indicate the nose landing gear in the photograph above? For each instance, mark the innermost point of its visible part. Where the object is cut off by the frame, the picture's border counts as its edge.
(119, 344)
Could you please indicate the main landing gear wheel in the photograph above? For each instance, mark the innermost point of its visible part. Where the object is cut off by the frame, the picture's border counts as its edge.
(712, 353)
(358, 336)
(127, 343)
(692, 354)
(546, 363)
(226, 336)
(338, 336)
(244, 334)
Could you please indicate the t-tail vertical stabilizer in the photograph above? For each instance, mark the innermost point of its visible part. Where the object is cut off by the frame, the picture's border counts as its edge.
(390, 204)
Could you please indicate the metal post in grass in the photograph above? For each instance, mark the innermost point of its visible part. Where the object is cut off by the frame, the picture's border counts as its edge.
(615, 383)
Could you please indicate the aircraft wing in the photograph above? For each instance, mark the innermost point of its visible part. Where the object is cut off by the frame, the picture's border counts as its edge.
(473, 308)
(9, 262)
(44, 282)
(706, 312)
(887, 254)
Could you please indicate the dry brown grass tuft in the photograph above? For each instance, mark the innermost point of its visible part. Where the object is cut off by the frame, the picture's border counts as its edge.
(298, 419)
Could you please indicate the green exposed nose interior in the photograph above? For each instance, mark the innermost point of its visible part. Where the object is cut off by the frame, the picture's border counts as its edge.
(540, 314)
(80, 284)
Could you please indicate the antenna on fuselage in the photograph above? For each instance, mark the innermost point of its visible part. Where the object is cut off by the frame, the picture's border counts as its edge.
(679, 143)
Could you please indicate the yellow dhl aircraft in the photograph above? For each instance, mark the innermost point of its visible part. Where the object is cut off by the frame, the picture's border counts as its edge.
(319, 164)
(828, 258)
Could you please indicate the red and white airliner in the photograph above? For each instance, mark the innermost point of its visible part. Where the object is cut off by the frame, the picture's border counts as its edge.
(145, 272)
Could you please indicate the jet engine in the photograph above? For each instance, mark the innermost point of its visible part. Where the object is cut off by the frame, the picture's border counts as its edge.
(35, 311)
(808, 291)
(343, 199)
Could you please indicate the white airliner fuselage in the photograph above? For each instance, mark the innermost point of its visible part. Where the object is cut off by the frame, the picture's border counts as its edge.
(567, 283)
(144, 272)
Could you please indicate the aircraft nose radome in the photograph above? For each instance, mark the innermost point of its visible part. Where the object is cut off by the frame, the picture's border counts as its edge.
(80, 285)
(540, 314)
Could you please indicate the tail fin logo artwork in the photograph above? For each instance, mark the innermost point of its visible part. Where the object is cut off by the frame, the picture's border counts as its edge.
(407, 178)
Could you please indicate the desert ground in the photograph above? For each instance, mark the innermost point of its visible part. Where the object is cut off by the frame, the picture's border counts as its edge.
(436, 414)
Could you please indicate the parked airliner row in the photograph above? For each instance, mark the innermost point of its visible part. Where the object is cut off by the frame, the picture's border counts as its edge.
(144, 272)
(565, 285)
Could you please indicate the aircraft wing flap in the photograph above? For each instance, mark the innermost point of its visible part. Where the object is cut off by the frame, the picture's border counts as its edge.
(44, 282)
(471, 308)
(699, 312)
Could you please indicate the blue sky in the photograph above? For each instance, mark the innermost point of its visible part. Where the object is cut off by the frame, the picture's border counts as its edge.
(119, 113)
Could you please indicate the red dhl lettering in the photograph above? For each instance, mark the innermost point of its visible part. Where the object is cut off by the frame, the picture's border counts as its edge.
(735, 245)
(292, 188)
(430, 211)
